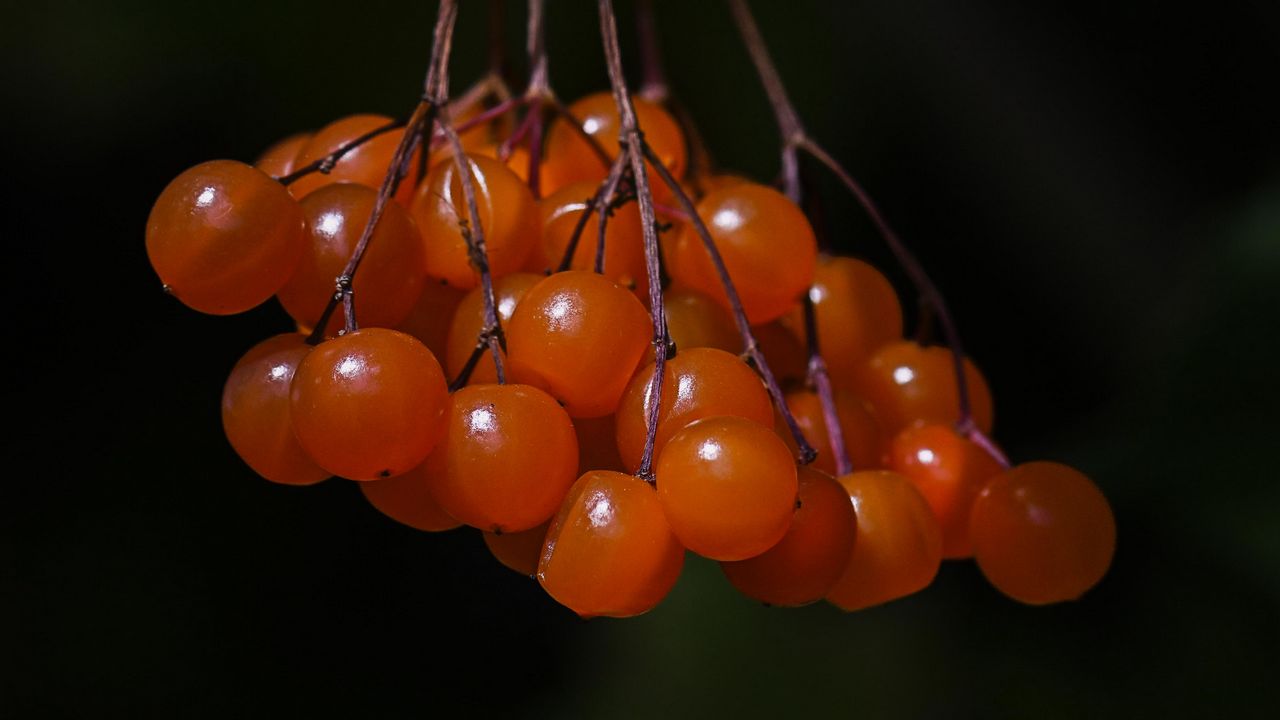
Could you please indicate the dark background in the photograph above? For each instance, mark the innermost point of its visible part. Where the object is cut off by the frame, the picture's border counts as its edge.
(1096, 187)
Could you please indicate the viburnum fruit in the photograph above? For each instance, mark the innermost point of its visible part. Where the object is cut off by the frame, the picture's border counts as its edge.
(369, 404)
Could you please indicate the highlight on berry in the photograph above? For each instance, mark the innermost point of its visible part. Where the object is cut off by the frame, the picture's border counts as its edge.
(563, 326)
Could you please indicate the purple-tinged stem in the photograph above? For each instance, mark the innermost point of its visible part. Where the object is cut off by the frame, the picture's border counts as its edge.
(821, 382)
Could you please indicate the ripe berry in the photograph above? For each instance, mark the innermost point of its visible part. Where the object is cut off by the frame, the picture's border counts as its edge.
(697, 383)
(390, 276)
(898, 547)
(432, 316)
(597, 446)
(223, 237)
(695, 320)
(806, 563)
(365, 164)
(578, 336)
(507, 458)
(1042, 533)
(863, 440)
(907, 384)
(728, 487)
(255, 412)
(280, 159)
(369, 404)
(767, 245)
(507, 214)
(407, 499)
(857, 312)
(569, 158)
(468, 321)
(609, 550)
(624, 238)
(948, 470)
(519, 551)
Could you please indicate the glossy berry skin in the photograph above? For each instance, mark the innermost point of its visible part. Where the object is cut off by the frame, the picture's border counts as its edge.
(907, 384)
(407, 500)
(1042, 533)
(579, 336)
(728, 487)
(806, 563)
(365, 164)
(519, 551)
(695, 320)
(255, 412)
(898, 547)
(468, 321)
(624, 238)
(949, 471)
(280, 159)
(609, 550)
(863, 440)
(786, 355)
(223, 237)
(569, 158)
(857, 312)
(697, 383)
(507, 213)
(431, 317)
(369, 404)
(391, 274)
(767, 245)
(507, 458)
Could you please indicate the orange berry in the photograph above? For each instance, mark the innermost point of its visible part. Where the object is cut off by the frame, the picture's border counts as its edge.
(578, 336)
(597, 447)
(368, 404)
(697, 383)
(407, 500)
(390, 277)
(898, 547)
(365, 164)
(255, 412)
(468, 321)
(570, 158)
(223, 237)
(863, 440)
(519, 551)
(948, 470)
(507, 213)
(1042, 533)
(766, 243)
(785, 353)
(624, 238)
(280, 159)
(507, 458)
(609, 550)
(907, 384)
(728, 487)
(695, 320)
(857, 312)
(432, 316)
(806, 563)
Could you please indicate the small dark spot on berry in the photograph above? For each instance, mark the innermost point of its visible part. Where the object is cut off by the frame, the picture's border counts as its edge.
(385, 474)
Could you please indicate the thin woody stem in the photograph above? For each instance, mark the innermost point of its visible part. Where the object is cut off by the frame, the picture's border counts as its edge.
(434, 92)
(653, 83)
(630, 142)
(751, 348)
(821, 382)
(615, 170)
(473, 233)
(324, 165)
(795, 138)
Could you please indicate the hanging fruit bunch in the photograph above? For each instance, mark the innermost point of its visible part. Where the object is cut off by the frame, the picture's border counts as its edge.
(559, 326)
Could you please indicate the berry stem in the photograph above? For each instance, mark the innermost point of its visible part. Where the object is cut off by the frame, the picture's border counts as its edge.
(751, 348)
(616, 168)
(820, 379)
(653, 82)
(630, 142)
(325, 164)
(473, 233)
(435, 90)
(795, 138)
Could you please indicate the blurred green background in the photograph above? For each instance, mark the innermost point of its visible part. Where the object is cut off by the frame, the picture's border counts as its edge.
(1095, 186)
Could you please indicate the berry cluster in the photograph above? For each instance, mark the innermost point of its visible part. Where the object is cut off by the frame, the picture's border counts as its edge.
(529, 362)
